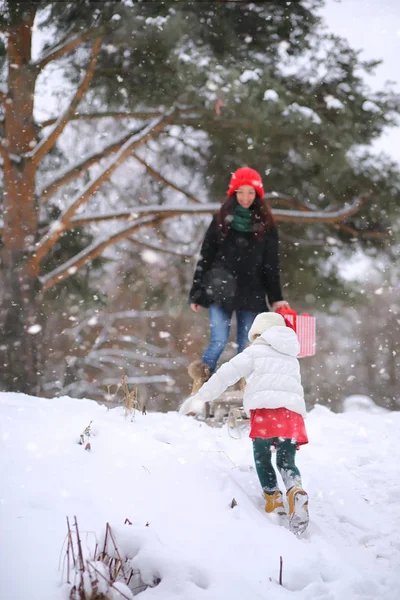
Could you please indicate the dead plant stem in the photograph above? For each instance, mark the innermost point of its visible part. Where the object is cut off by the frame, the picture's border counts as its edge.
(109, 582)
(118, 554)
(80, 553)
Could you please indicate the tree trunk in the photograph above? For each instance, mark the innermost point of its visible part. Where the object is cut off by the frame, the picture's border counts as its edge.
(392, 333)
(19, 321)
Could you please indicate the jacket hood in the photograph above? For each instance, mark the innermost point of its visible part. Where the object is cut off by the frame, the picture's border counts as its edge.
(282, 339)
(264, 321)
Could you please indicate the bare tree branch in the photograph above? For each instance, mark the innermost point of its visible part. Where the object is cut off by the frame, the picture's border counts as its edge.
(164, 181)
(289, 202)
(91, 252)
(206, 209)
(62, 224)
(320, 216)
(139, 115)
(67, 46)
(366, 233)
(301, 241)
(159, 248)
(47, 143)
(153, 210)
(3, 152)
(155, 216)
(79, 168)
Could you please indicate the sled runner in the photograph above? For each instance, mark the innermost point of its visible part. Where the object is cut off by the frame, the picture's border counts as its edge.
(220, 408)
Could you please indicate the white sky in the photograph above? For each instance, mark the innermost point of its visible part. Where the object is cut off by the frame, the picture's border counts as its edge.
(372, 26)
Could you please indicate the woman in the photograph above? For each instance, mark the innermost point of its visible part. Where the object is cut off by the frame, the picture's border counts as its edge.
(238, 268)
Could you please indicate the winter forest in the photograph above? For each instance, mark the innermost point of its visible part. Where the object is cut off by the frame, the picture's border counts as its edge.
(121, 124)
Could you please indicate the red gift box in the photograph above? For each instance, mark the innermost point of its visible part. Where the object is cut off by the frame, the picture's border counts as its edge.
(304, 326)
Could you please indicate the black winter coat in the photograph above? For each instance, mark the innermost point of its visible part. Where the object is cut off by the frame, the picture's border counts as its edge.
(237, 271)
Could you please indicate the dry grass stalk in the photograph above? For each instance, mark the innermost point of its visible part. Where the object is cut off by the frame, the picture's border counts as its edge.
(85, 436)
(129, 398)
(88, 580)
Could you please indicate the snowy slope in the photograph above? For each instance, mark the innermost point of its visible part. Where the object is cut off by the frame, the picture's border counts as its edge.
(174, 478)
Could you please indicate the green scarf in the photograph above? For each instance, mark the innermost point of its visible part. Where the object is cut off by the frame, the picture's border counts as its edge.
(242, 219)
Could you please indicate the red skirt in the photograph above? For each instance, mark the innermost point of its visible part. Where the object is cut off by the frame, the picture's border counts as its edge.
(277, 422)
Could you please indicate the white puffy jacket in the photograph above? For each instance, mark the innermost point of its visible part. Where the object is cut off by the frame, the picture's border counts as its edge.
(271, 370)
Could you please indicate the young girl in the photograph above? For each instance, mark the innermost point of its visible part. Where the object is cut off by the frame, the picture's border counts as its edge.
(238, 268)
(274, 398)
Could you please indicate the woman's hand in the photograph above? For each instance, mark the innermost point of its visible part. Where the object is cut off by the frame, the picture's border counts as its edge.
(279, 304)
(195, 307)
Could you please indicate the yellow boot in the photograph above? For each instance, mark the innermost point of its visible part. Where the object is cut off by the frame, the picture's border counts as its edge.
(274, 503)
(298, 509)
(200, 373)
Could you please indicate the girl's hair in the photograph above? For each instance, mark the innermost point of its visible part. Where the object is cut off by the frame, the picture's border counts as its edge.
(262, 216)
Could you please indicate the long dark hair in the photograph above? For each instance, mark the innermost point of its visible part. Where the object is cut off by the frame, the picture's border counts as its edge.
(263, 219)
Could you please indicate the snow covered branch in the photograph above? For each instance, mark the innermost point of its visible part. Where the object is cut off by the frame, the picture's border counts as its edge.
(164, 181)
(154, 215)
(106, 319)
(72, 173)
(320, 216)
(47, 143)
(115, 354)
(77, 170)
(154, 209)
(67, 46)
(305, 215)
(367, 233)
(343, 225)
(159, 248)
(283, 200)
(88, 254)
(136, 140)
(138, 115)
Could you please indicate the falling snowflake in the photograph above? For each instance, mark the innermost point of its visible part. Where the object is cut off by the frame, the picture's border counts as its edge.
(56, 226)
(149, 257)
(34, 329)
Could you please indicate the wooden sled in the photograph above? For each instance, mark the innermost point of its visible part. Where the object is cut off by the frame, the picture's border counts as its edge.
(223, 406)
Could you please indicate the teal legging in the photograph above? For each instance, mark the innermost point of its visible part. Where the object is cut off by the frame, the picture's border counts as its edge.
(285, 455)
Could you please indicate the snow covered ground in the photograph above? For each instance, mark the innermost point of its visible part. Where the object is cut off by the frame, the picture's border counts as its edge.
(174, 478)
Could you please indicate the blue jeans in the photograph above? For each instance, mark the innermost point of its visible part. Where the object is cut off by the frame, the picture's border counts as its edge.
(220, 322)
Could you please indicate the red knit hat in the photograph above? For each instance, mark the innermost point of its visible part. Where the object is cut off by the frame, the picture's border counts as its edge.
(246, 176)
